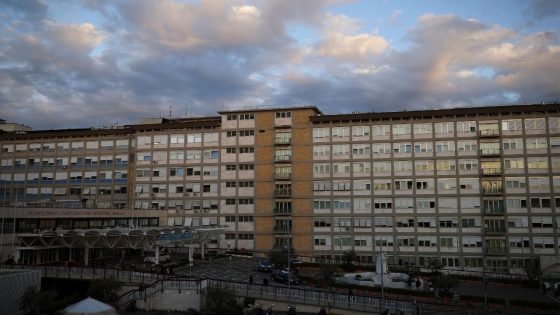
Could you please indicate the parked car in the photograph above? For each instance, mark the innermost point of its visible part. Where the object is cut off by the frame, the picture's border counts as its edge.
(283, 276)
(163, 257)
(265, 265)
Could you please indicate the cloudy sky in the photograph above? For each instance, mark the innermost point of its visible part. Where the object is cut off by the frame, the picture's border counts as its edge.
(68, 64)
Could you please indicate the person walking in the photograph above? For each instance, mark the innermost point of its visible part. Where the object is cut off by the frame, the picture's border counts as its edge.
(418, 284)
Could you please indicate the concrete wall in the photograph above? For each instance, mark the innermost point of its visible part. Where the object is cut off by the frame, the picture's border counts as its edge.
(171, 300)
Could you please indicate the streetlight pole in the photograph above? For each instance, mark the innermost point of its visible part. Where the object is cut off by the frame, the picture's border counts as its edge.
(289, 233)
(484, 262)
(2, 228)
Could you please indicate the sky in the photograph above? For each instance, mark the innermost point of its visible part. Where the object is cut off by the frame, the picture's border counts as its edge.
(92, 63)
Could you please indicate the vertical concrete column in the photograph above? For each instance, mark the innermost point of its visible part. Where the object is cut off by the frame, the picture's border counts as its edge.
(202, 250)
(70, 257)
(157, 254)
(57, 254)
(86, 256)
(17, 255)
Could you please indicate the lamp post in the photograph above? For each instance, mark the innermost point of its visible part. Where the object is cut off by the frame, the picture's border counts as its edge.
(2, 228)
(484, 262)
(289, 237)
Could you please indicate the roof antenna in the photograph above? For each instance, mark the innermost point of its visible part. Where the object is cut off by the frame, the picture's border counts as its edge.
(186, 110)
(170, 109)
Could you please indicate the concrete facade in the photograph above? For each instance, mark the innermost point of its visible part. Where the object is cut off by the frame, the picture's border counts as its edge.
(464, 186)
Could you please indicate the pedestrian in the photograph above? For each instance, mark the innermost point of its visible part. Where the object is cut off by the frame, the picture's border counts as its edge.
(418, 284)
(265, 282)
(409, 281)
(250, 279)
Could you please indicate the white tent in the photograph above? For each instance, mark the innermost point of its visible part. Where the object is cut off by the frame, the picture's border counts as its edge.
(89, 306)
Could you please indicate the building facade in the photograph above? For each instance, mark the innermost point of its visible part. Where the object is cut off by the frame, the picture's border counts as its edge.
(463, 186)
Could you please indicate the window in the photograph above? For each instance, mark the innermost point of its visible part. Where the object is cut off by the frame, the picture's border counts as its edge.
(421, 147)
(246, 133)
(445, 146)
(194, 138)
(512, 125)
(321, 133)
(540, 162)
(401, 129)
(340, 150)
(321, 185)
(321, 151)
(244, 150)
(194, 154)
(515, 182)
(512, 144)
(381, 167)
(540, 203)
(466, 126)
(231, 167)
(468, 165)
(284, 115)
(360, 131)
(246, 167)
(536, 143)
(535, 124)
(231, 117)
(443, 128)
(322, 222)
(177, 155)
(321, 168)
(340, 132)
(467, 145)
(422, 129)
(513, 203)
(246, 116)
(383, 222)
(514, 163)
(470, 223)
(231, 150)
(381, 148)
(381, 130)
(402, 147)
(230, 134)
(445, 165)
(425, 204)
(360, 149)
(177, 139)
(424, 165)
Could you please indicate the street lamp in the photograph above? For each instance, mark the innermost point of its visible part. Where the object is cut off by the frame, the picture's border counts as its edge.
(484, 262)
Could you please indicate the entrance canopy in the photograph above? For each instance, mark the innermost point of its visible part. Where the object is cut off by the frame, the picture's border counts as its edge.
(134, 238)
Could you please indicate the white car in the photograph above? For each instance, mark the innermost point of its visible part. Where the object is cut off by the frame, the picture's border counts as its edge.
(163, 257)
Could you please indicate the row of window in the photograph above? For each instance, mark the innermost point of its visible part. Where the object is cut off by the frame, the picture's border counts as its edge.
(65, 146)
(365, 150)
(448, 165)
(365, 205)
(443, 128)
(542, 222)
(432, 241)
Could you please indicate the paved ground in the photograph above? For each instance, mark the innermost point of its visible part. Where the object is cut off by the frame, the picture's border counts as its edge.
(239, 269)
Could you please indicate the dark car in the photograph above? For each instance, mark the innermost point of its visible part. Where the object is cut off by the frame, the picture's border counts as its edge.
(266, 265)
(283, 275)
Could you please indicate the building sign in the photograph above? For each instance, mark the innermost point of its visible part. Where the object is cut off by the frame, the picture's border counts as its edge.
(175, 237)
(76, 213)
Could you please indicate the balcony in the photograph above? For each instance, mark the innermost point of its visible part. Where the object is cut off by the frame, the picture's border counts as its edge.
(282, 158)
(282, 211)
(494, 211)
(282, 141)
(491, 171)
(492, 191)
(496, 232)
(281, 229)
(496, 251)
(489, 133)
(283, 193)
(282, 176)
(490, 152)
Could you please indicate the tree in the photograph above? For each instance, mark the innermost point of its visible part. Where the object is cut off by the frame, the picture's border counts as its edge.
(29, 301)
(327, 272)
(221, 301)
(34, 301)
(349, 256)
(105, 290)
(446, 283)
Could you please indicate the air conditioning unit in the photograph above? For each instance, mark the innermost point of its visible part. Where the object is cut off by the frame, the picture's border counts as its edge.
(206, 210)
(196, 210)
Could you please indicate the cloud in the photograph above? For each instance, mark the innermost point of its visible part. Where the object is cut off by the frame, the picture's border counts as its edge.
(139, 58)
(343, 41)
(540, 9)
